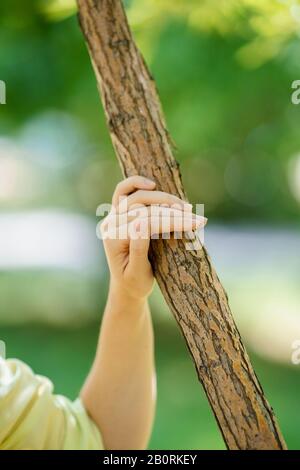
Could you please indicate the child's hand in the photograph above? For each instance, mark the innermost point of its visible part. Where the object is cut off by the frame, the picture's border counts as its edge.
(136, 216)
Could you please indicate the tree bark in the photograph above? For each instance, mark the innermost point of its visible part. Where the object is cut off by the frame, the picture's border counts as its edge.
(187, 279)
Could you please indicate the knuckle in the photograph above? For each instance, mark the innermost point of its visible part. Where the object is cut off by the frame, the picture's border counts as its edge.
(136, 197)
(134, 178)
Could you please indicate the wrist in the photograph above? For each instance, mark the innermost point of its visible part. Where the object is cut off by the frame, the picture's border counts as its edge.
(120, 295)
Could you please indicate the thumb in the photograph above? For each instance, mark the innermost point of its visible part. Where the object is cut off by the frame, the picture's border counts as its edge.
(139, 245)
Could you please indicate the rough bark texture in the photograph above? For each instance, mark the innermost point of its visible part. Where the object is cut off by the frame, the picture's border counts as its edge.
(187, 279)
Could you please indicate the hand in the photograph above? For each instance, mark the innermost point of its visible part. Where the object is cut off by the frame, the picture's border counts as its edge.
(139, 213)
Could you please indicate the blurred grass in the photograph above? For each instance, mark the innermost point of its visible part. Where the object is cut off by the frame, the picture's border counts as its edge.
(183, 419)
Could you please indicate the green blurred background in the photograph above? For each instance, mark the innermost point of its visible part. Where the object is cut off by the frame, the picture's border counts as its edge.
(224, 70)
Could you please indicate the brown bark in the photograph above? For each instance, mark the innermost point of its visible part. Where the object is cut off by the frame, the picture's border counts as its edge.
(187, 279)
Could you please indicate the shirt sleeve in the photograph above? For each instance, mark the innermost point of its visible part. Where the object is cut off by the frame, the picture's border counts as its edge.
(32, 417)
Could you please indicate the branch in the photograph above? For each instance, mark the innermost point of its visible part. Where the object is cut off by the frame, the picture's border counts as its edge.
(187, 279)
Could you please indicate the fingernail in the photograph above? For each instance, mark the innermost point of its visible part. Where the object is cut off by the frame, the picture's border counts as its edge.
(149, 182)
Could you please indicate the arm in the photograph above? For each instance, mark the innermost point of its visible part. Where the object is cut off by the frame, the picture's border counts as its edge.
(119, 393)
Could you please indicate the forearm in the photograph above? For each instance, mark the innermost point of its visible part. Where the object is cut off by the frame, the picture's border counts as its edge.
(119, 393)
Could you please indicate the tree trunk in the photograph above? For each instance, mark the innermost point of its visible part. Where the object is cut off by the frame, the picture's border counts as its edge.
(187, 279)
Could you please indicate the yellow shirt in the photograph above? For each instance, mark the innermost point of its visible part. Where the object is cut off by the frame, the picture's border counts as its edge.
(32, 417)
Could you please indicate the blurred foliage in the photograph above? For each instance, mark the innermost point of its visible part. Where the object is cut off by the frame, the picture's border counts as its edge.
(236, 129)
(265, 25)
(224, 69)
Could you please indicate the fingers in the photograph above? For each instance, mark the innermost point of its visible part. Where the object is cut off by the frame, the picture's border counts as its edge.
(153, 221)
(145, 211)
(155, 225)
(161, 213)
(127, 186)
(148, 198)
(141, 230)
(138, 190)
